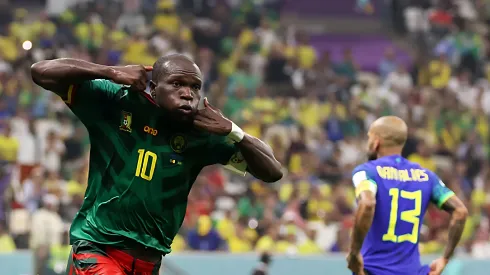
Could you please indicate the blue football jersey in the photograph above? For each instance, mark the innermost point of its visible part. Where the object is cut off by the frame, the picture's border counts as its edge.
(403, 192)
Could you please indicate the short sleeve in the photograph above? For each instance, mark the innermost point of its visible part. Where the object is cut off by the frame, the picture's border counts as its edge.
(363, 181)
(440, 193)
(88, 98)
(223, 151)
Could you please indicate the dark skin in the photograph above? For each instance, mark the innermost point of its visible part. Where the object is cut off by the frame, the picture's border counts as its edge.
(386, 137)
(177, 90)
(57, 75)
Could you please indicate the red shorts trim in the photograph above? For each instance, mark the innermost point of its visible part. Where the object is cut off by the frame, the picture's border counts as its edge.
(112, 262)
(139, 265)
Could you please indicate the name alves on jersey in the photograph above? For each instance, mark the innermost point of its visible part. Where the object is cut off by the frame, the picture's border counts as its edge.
(391, 173)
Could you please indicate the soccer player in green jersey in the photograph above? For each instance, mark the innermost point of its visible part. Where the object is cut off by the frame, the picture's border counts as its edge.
(146, 151)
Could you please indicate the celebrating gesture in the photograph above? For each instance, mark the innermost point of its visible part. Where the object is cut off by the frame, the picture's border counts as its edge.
(211, 120)
(138, 147)
(132, 75)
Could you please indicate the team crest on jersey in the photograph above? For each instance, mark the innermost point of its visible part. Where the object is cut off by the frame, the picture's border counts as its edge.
(237, 158)
(178, 143)
(126, 120)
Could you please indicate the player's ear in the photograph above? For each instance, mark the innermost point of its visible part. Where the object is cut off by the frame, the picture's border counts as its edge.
(376, 143)
(153, 85)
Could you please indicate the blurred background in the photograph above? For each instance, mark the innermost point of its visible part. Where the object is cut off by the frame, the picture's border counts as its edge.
(306, 76)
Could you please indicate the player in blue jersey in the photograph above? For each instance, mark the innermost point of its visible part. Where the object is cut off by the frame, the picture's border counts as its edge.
(393, 195)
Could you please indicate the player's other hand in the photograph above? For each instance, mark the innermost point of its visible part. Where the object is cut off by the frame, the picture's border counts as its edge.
(355, 263)
(437, 266)
(132, 75)
(211, 120)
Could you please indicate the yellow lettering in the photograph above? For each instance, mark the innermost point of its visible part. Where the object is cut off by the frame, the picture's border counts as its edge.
(406, 175)
(387, 172)
(415, 174)
(391, 173)
(380, 171)
(150, 130)
(401, 175)
(142, 165)
(422, 175)
(410, 216)
(394, 173)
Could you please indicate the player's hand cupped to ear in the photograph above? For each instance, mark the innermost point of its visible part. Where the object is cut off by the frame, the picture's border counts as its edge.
(211, 120)
(132, 75)
(355, 263)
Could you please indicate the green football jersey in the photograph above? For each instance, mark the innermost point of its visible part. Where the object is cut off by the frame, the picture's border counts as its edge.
(141, 167)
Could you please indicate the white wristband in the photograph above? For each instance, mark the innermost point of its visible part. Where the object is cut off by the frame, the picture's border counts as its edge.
(236, 133)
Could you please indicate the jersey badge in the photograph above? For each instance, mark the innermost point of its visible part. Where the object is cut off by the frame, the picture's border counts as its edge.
(237, 158)
(176, 159)
(126, 120)
(178, 143)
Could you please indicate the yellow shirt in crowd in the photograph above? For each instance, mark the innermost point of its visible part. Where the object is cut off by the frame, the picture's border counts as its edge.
(136, 53)
(265, 244)
(239, 245)
(226, 228)
(167, 22)
(8, 148)
(47, 27)
(178, 244)
(306, 55)
(309, 247)
(425, 162)
(311, 114)
(440, 73)
(246, 37)
(316, 207)
(9, 48)
(6, 243)
(283, 246)
(91, 32)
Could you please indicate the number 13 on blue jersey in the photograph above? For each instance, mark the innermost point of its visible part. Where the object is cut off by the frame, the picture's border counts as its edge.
(409, 216)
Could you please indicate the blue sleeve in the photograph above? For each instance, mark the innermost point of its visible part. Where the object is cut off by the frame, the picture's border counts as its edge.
(440, 193)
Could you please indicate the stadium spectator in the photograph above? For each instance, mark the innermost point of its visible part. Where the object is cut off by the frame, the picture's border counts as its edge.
(204, 237)
(387, 64)
(47, 226)
(52, 151)
(6, 242)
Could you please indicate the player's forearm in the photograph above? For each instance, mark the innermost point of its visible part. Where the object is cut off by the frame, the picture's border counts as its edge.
(459, 213)
(364, 219)
(50, 74)
(260, 159)
(456, 227)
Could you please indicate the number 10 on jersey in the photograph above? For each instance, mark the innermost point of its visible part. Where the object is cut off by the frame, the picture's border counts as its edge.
(145, 157)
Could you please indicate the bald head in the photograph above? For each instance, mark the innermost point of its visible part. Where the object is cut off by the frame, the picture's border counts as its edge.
(391, 130)
(170, 63)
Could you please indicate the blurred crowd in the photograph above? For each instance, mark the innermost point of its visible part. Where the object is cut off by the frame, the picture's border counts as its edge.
(268, 79)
